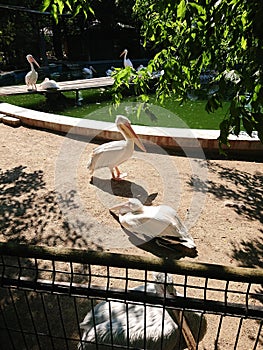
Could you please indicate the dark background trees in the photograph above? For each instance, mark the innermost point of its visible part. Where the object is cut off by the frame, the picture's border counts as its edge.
(26, 29)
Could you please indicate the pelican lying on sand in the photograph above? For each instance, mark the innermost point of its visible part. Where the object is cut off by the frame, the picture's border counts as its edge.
(149, 222)
(112, 154)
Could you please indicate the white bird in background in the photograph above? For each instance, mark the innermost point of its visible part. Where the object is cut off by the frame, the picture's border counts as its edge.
(88, 72)
(116, 323)
(48, 84)
(126, 61)
(112, 154)
(31, 77)
(141, 66)
(109, 71)
(148, 222)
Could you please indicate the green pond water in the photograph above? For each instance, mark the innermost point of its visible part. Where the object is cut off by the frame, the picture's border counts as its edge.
(96, 104)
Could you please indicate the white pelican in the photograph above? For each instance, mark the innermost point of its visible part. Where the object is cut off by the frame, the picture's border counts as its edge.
(126, 61)
(48, 84)
(149, 222)
(109, 71)
(88, 72)
(31, 77)
(112, 154)
(141, 66)
(124, 324)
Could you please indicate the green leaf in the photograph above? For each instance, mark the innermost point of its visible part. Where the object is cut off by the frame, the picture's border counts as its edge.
(199, 8)
(243, 43)
(224, 132)
(60, 5)
(91, 10)
(45, 5)
(139, 110)
(181, 9)
(248, 125)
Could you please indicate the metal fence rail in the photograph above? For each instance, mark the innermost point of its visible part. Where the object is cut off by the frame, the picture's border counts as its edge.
(46, 293)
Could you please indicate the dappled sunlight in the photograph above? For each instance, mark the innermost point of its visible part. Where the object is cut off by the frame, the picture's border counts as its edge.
(241, 191)
(30, 215)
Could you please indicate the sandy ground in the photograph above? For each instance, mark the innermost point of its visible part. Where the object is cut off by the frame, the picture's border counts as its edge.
(47, 199)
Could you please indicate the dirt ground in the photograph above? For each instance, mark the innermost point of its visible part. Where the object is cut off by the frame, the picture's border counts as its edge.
(47, 198)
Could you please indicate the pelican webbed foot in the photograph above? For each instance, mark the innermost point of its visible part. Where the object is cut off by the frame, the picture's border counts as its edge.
(118, 176)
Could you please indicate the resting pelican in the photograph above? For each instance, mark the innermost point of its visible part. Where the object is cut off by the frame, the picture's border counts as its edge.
(88, 72)
(126, 61)
(109, 71)
(48, 84)
(31, 77)
(148, 222)
(124, 324)
(141, 66)
(112, 154)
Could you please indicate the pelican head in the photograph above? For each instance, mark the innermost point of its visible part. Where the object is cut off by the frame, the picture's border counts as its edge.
(131, 206)
(124, 52)
(93, 69)
(31, 59)
(162, 279)
(124, 126)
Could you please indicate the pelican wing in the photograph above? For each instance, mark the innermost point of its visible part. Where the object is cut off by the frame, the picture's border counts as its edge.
(110, 146)
(128, 63)
(110, 154)
(161, 221)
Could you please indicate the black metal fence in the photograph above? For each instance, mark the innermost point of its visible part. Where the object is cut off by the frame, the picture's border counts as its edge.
(54, 298)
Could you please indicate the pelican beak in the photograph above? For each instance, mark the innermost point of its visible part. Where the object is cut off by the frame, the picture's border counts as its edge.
(123, 52)
(120, 206)
(94, 70)
(128, 130)
(34, 61)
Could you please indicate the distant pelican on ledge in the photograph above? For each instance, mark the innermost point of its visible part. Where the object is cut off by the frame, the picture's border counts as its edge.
(32, 75)
(126, 61)
(112, 154)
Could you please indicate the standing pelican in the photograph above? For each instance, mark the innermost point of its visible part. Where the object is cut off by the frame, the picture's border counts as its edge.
(131, 325)
(112, 154)
(31, 77)
(126, 61)
(148, 222)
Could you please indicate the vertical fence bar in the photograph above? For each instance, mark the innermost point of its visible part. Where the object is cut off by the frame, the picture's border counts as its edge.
(78, 321)
(7, 329)
(94, 322)
(145, 310)
(258, 335)
(238, 333)
(247, 296)
(111, 330)
(18, 318)
(62, 321)
(32, 319)
(46, 318)
(36, 271)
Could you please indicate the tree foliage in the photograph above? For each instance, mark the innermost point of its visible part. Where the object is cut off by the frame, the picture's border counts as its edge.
(19, 31)
(58, 7)
(189, 37)
(196, 36)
